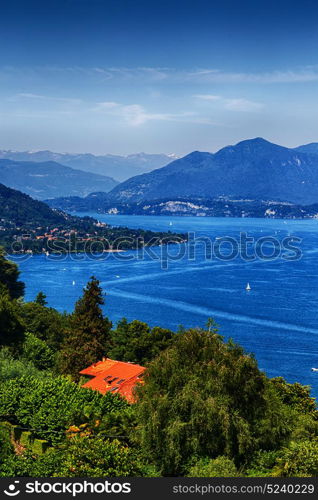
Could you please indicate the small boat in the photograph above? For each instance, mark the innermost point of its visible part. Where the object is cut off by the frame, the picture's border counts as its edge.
(117, 276)
(170, 223)
(248, 287)
(314, 369)
(73, 282)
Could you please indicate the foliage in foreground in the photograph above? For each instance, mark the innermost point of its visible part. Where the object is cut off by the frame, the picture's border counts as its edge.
(11, 368)
(217, 467)
(205, 408)
(78, 457)
(51, 405)
(206, 398)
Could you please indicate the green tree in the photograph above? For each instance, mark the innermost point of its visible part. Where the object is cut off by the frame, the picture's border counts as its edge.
(138, 343)
(45, 323)
(296, 396)
(87, 339)
(201, 397)
(11, 327)
(9, 276)
(40, 299)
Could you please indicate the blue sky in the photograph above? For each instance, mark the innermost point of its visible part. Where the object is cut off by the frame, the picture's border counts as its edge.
(124, 76)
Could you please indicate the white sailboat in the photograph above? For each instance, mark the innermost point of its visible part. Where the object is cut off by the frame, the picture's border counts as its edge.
(73, 283)
(248, 287)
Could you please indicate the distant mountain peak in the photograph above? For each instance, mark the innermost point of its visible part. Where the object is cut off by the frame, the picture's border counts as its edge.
(197, 155)
(256, 142)
(251, 169)
(249, 149)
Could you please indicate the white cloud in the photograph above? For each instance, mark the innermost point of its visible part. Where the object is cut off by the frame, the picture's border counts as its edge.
(136, 115)
(237, 104)
(30, 96)
(242, 105)
(212, 75)
(207, 75)
(106, 105)
(301, 75)
(207, 97)
(164, 74)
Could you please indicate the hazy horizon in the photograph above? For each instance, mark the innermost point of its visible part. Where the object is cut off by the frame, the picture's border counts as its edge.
(132, 153)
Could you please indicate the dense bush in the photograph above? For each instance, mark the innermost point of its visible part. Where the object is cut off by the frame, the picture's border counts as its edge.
(6, 447)
(15, 368)
(38, 352)
(299, 459)
(77, 457)
(97, 458)
(219, 467)
(121, 423)
(50, 406)
(262, 463)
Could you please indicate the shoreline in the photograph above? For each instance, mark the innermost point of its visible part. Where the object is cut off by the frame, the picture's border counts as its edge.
(81, 252)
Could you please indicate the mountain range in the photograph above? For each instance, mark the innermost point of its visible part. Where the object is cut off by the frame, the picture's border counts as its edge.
(116, 166)
(50, 179)
(242, 179)
(253, 169)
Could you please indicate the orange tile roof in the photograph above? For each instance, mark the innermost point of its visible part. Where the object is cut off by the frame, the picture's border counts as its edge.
(98, 367)
(115, 376)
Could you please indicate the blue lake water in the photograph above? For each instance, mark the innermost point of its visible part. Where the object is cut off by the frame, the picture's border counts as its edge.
(277, 320)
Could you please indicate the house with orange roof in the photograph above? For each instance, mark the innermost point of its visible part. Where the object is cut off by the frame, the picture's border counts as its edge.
(113, 376)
